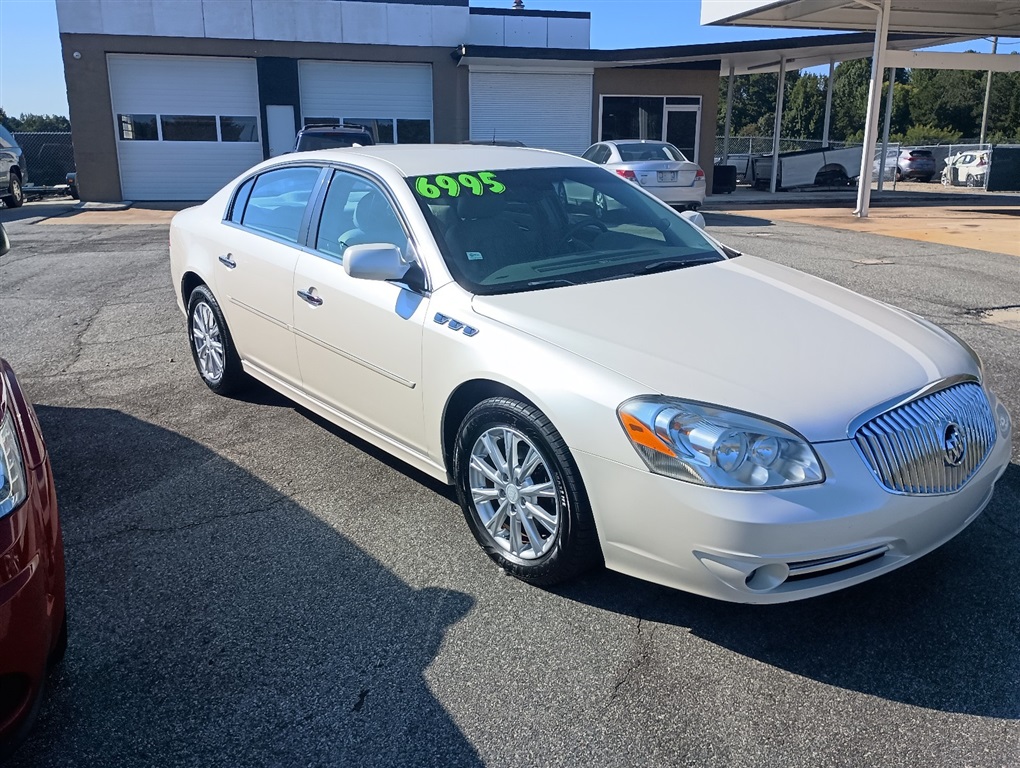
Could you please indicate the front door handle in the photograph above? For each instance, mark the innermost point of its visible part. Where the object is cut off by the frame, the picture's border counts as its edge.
(310, 297)
(228, 261)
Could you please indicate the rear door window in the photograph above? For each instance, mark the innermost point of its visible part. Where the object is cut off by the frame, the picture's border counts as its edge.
(278, 200)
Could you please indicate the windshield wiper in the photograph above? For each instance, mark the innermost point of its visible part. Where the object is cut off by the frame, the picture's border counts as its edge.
(671, 264)
(550, 282)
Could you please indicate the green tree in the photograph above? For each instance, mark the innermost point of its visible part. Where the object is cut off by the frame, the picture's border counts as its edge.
(31, 122)
(948, 99)
(754, 101)
(804, 110)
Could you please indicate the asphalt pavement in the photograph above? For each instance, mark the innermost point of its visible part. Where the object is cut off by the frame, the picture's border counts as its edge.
(249, 585)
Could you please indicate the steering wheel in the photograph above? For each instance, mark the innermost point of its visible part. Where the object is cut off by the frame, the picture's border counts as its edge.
(577, 226)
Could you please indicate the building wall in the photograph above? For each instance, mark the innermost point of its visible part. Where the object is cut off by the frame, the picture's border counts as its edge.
(392, 22)
(700, 79)
(91, 110)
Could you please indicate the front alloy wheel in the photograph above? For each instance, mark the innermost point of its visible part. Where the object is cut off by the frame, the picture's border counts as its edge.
(522, 494)
(513, 493)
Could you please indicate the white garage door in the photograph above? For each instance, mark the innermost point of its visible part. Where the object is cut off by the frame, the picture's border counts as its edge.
(186, 125)
(393, 100)
(549, 110)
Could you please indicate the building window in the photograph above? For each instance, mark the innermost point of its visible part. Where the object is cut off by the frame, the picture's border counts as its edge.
(676, 119)
(239, 129)
(414, 131)
(632, 117)
(137, 127)
(188, 127)
(384, 130)
(380, 128)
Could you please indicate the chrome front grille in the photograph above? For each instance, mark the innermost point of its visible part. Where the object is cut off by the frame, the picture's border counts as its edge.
(916, 448)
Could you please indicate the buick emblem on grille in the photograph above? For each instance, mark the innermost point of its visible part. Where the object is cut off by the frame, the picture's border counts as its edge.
(953, 445)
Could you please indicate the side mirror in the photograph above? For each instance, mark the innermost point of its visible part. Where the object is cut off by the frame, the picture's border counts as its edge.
(694, 218)
(5, 242)
(374, 261)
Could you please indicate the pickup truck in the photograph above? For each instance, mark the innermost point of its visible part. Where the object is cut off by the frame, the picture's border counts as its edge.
(825, 167)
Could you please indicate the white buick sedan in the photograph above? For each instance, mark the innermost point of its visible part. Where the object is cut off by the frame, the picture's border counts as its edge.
(601, 384)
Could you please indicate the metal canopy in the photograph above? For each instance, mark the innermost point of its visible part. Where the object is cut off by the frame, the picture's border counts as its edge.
(746, 57)
(962, 18)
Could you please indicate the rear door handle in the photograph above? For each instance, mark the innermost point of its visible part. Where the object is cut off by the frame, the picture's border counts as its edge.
(310, 297)
(228, 261)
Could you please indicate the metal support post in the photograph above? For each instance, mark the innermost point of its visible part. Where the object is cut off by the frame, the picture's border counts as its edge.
(828, 104)
(885, 129)
(988, 94)
(781, 92)
(726, 129)
(871, 121)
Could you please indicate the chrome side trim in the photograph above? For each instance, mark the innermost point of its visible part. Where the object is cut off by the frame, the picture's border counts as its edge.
(402, 451)
(263, 315)
(363, 363)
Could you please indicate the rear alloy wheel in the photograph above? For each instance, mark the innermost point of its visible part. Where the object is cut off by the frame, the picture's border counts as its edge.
(522, 494)
(16, 196)
(211, 345)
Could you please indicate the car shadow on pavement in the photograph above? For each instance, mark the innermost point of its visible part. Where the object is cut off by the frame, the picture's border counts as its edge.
(942, 633)
(215, 621)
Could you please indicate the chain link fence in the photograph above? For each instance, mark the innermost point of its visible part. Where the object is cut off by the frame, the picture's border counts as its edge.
(49, 156)
(762, 145)
(961, 164)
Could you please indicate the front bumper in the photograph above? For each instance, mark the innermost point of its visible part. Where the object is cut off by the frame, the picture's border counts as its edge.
(780, 545)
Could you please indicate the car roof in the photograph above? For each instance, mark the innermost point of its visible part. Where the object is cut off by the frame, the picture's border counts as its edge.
(617, 142)
(425, 159)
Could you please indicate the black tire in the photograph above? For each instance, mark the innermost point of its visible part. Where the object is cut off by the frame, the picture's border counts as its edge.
(232, 378)
(16, 195)
(573, 547)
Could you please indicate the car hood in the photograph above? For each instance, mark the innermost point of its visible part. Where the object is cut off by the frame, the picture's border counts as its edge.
(744, 334)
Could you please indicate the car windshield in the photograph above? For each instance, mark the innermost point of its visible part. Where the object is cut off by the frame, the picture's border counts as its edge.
(638, 151)
(505, 231)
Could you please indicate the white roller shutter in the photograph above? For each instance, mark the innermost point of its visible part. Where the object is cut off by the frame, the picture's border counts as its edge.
(549, 110)
(346, 90)
(182, 85)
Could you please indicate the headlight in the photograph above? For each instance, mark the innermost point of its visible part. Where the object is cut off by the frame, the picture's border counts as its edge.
(711, 446)
(13, 489)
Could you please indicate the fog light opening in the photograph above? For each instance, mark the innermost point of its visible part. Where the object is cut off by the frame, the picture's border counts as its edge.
(767, 577)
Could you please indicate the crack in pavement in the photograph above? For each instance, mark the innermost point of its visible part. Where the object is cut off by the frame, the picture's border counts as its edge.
(177, 528)
(639, 658)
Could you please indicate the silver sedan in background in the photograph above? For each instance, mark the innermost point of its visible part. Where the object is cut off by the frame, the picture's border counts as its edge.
(657, 166)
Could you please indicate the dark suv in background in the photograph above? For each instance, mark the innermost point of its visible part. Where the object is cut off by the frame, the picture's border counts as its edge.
(13, 175)
(332, 136)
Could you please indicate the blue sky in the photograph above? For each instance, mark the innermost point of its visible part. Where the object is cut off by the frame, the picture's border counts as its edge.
(32, 77)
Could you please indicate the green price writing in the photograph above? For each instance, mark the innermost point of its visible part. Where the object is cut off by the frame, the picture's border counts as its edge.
(475, 183)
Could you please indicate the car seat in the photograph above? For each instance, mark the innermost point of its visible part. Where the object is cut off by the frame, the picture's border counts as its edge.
(486, 240)
(374, 222)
